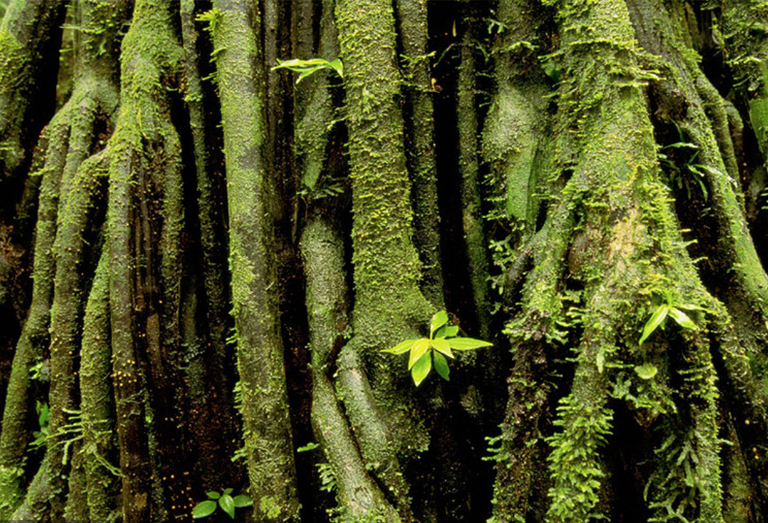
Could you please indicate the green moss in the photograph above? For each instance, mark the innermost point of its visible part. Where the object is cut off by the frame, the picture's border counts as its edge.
(575, 461)
(386, 265)
(758, 117)
(97, 402)
(14, 75)
(628, 249)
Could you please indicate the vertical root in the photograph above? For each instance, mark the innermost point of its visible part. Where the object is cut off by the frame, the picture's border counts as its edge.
(34, 336)
(97, 402)
(323, 254)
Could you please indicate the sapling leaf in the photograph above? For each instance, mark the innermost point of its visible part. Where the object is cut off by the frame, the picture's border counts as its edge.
(441, 365)
(400, 348)
(680, 145)
(306, 72)
(690, 307)
(307, 67)
(227, 491)
(337, 66)
(306, 448)
(656, 319)
(213, 495)
(682, 319)
(243, 500)
(438, 320)
(419, 349)
(447, 331)
(442, 345)
(467, 343)
(227, 504)
(204, 509)
(646, 371)
(421, 369)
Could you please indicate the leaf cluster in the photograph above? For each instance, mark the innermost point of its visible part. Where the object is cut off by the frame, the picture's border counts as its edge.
(426, 353)
(223, 500)
(43, 419)
(308, 67)
(669, 309)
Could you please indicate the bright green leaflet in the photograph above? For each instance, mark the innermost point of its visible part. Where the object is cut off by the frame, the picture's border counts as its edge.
(222, 499)
(307, 67)
(426, 353)
(673, 310)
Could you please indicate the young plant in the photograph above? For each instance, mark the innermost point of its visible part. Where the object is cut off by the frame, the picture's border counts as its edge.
(428, 352)
(224, 500)
(307, 67)
(671, 309)
(43, 417)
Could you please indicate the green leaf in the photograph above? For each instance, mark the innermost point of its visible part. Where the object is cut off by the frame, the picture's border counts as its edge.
(656, 319)
(337, 66)
(243, 500)
(438, 320)
(421, 369)
(204, 509)
(690, 307)
(213, 495)
(227, 491)
(400, 348)
(442, 345)
(681, 145)
(441, 366)
(306, 448)
(298, 66)
(307, 67)
(419, 349)
(227, 504)
(682, 319)
(447, 331)
(467, 343)
(646, 371)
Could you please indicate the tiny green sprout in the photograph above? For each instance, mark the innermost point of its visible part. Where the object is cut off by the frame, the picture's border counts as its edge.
(41, 371)
(426, 353)
(43, 418)
(223, 500)
(307, 67)
(309, 446)
(673, 310)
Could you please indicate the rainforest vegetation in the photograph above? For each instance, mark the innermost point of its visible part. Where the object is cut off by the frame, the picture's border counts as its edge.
(246, 247)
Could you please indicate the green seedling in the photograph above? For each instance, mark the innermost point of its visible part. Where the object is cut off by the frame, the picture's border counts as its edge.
(43, 417)
(223, 500)
(672, 310)
(308, 67)
(426, 353)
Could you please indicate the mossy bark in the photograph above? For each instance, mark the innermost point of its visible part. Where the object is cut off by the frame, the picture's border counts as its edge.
(411, 16)
(92, 104)
(144, 185)
(97, 402)
(386, 267)
(612, 191)
(30, 36)
(254, 285)
(213, 424)
(471, 179)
